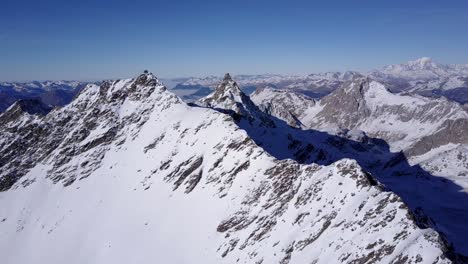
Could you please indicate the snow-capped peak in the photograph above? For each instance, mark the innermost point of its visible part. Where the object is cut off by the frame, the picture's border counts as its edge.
(228, 96)
(228, 87)
(422, 68)
(422, 62)
(148, 79)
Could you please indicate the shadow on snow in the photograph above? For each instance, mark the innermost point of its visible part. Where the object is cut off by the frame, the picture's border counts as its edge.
(434, 200)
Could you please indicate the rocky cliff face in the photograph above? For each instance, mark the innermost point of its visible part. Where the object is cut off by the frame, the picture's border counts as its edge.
(128, 172)
(400, 119)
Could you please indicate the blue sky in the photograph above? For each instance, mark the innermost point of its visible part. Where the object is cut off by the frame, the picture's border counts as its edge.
(92, 39)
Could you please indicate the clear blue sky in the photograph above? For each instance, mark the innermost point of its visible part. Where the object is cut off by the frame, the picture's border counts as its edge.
(92, 39)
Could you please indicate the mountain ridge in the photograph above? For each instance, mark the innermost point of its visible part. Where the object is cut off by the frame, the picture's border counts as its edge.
(131, 142)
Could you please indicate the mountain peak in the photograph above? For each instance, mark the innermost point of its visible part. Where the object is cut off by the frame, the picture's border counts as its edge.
(421, 63)
(229, 97)
(227, 77)
(422, 68)
(424, 60)
(32, 106)
(228, 88)
(226, 94)
(147, 79)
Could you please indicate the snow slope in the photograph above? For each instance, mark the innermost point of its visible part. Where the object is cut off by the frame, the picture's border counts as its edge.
(429, 133)
(129, 173)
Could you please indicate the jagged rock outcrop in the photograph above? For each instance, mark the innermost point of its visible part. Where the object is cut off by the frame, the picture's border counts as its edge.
(228, 98)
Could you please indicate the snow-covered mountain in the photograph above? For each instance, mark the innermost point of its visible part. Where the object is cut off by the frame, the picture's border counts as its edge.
(128, 172)
(429, 132)
(55, 93)
(423, 69)
(286, 105)
(426, 77)
(361, 109)
(410, 123)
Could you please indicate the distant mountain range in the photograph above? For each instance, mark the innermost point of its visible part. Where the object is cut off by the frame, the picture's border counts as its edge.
(53, 93)
(422, 76)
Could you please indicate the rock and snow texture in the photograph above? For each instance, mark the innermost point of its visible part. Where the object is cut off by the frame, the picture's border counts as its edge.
(228, 96)
(411, 123)
(289, 106)
(431, 134)
(128, 173)
(421, 127)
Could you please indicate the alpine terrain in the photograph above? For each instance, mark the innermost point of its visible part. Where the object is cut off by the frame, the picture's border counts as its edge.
(129, 173)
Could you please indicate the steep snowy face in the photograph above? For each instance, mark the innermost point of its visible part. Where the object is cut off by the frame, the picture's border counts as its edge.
(354, 106)
(367, 105)
(98, 116)
(402, 120)
(288, 106)
(128, 172)
(227, 95)
(228, 98)
(430, 132)
(414, 124)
